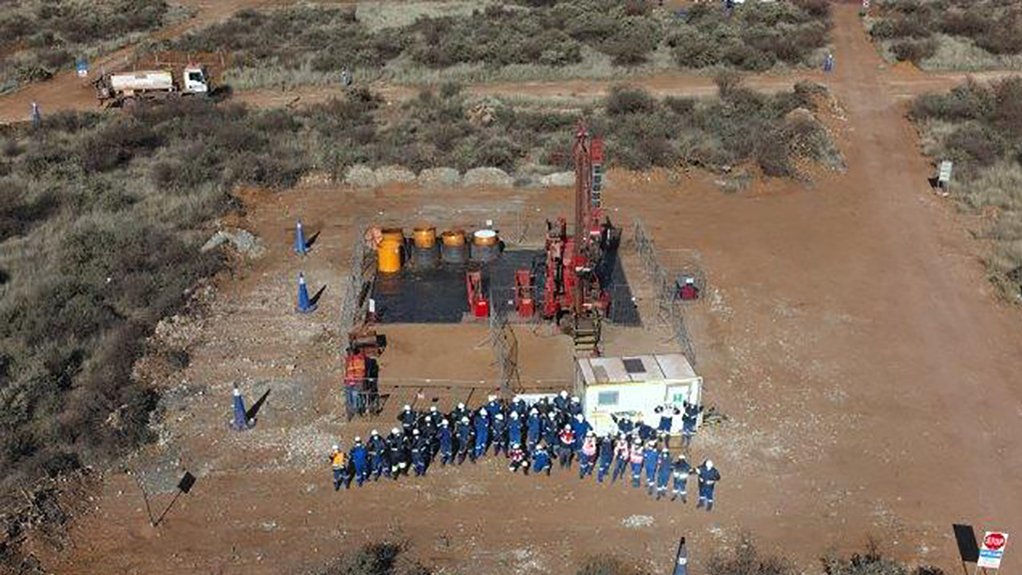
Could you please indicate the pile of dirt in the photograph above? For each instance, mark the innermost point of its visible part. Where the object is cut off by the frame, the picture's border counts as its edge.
(488, 177)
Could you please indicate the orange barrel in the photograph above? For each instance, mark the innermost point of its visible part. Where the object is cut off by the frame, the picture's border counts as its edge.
(485, 246)
(453, 249)
(388, 256)
(396, 234)
(424, 237)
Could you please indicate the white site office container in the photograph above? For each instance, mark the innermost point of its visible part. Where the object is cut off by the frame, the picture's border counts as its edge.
(634, 386)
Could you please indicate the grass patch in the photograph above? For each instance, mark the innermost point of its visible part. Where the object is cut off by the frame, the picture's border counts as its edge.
(423, 42)
(949, 34)
(39, 37)
(979, 127)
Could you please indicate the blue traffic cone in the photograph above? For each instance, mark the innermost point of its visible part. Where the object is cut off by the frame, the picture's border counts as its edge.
(301, 247)
(240, 422)
(304, 303)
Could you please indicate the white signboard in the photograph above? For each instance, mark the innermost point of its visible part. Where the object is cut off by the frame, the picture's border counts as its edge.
(944, 175)
(992, 549)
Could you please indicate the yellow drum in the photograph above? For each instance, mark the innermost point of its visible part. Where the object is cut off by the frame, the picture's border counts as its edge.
(389, 256)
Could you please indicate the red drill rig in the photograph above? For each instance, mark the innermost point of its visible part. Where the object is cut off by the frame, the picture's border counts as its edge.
(576, 270)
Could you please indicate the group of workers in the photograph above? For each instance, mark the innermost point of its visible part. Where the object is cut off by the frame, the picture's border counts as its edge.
(532, 437)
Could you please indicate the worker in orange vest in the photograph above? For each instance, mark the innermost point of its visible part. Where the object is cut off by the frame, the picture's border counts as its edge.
(339, 464)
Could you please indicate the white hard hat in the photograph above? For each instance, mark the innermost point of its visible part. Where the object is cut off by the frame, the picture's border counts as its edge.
(579, 417)
(395, 431)
(415, 432)
(690, 281)
(567, 428)
(574, 398)
(432, 408)
(337, 447)
(491, 397)
(358, 439)
(590, 434)
(514, 415)
(500, 416)
(444, 422)
(515, 445)
(709, 464)
(461, 406)
(408, 407)
(428, 418)
(464, 420)
(564, 393)
(665, 450)
(374, 432)
(533, 411)
(482, 411)
(551, 415)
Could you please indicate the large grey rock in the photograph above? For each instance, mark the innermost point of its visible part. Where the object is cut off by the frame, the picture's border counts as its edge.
(439, 177)
(558, 179)
(242, 240)
(389, 174)
(360, 175)
(487, 177)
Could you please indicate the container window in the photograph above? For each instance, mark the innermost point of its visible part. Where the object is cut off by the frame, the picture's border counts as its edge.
(607, 398)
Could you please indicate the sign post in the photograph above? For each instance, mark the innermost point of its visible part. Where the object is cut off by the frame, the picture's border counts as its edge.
(944, 176)
(991, 551)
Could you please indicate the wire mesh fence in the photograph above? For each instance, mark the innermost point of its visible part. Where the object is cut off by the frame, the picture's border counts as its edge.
(360, 277)
(665, 288)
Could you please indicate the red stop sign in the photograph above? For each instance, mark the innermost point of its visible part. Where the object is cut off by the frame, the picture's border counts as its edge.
(994, 541)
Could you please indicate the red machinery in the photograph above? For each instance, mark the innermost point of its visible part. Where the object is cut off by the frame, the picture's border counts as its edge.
(525, 301)
(573, 284)
(478, 305)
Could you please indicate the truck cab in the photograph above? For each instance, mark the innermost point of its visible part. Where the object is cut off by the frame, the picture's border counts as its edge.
(196, 81)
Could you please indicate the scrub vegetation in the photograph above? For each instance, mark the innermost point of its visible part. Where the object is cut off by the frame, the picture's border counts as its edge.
(949, 34)
(102, 216)
(40, 37)
(979, 127)
(510, 41)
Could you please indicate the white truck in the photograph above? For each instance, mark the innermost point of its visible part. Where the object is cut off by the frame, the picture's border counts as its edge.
(126, 87)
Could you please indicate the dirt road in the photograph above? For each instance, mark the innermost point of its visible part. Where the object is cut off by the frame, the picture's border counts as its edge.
(849, 333)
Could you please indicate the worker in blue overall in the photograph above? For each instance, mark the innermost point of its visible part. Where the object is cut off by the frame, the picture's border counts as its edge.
(541, 460)
(606, 457)
(574, 406)
(407, 418)
(420, 452)
(360, 458)
(688, 422)
(635, 457)
(649, 461)
(667, 413)
(446, 441)
(708, 478)
(533, 428)
(482, 429)
(377, 449)
(663, 473)
(396, 453)
(499, 434)
(561, 401)
(514, 429)
(621, 452)
(551, 431)
(624, 423)
(681, 472)
(464, 439)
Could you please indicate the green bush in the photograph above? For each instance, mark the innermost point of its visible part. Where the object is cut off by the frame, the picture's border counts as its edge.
(914, 51)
